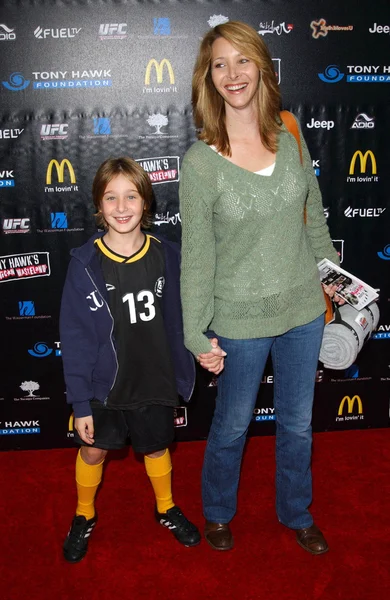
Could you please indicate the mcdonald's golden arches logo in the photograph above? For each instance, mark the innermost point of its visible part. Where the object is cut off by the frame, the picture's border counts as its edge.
(363, 158)
(350, 402)
(71, 421)
(159, 69)
(60, 168)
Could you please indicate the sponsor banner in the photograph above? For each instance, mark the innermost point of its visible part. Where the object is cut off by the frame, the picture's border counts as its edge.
(365, 164)
(159, 77)
(58, 168)
(385, 253)
(15, 267)
(59, 33)
(112, 31)
(356, 74)
(161, 169)
(7, 34)
(54, 131)
(9, 134)
(19, 427)
(26, 309)
(162, 27)
(31, 389)
(363, 121)
(350, 409)
(180, 416)
(273, 27)
(7, 178)
(75, 79)
(320, 28)
(19, 225)
(59, 224)
(42, 350)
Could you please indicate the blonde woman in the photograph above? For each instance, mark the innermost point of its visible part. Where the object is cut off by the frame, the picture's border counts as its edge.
(249, 274)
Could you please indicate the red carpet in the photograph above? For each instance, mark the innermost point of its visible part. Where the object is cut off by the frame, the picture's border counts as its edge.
(132, 557)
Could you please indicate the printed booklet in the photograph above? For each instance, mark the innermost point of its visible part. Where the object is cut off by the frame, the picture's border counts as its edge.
(354, 291)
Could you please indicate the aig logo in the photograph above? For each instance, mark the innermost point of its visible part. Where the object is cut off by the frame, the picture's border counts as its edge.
(354, 410)
(159, 68)
(363, 163)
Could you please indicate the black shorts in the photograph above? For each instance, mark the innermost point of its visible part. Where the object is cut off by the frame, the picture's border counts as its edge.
(150, 428)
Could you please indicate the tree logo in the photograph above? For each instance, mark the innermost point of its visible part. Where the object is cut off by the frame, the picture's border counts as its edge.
(157, 120)
(29, 386)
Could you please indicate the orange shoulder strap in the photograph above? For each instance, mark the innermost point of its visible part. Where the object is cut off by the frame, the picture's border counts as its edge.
(291, 124)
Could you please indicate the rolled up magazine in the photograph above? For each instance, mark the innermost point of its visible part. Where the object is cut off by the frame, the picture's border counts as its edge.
(353, 290)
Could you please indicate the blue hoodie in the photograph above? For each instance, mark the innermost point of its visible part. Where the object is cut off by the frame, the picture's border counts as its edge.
(86, 329)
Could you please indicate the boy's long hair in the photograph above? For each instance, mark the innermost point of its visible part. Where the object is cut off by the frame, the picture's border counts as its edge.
(209, 106)
(128, 167)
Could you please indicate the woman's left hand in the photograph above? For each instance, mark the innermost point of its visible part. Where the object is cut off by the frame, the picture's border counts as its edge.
(331, 291)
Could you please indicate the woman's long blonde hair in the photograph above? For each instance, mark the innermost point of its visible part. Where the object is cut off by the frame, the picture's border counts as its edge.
(209, 106)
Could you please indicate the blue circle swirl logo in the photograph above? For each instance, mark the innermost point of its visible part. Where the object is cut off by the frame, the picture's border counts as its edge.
(16, 82)
(40, 350)
(331, 74)
(385, 255)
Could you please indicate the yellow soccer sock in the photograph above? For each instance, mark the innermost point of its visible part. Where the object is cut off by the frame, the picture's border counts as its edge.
(159, 472)
(88, 478)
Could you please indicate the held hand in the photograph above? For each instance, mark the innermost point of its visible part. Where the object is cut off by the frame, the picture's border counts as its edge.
(213, 361)
(331, 291)
(84, 427)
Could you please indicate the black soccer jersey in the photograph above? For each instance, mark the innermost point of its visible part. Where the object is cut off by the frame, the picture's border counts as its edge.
(135, 287)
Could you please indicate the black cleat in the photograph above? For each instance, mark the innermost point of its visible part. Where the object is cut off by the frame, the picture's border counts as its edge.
(184, 531)
(76, 544)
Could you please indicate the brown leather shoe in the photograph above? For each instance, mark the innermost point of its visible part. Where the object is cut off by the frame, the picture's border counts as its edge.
(312, 540)
(218, 535)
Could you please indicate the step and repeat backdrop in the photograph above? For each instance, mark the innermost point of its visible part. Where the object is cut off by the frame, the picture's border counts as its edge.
(83, 81)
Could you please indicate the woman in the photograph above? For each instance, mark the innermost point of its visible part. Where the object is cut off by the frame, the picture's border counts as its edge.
(249, 274)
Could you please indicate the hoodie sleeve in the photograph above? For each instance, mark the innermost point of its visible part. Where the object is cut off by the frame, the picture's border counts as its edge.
(79, 342)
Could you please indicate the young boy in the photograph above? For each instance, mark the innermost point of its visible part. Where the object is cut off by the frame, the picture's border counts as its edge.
(122, 347)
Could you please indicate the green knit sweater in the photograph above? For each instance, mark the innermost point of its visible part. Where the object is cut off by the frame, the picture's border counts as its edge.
(248, 260)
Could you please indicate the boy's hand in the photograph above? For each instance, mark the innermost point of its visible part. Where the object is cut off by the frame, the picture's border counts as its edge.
(213, 361)
(84, 427)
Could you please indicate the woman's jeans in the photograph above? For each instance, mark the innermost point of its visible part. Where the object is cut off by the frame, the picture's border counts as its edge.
(294, 357)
